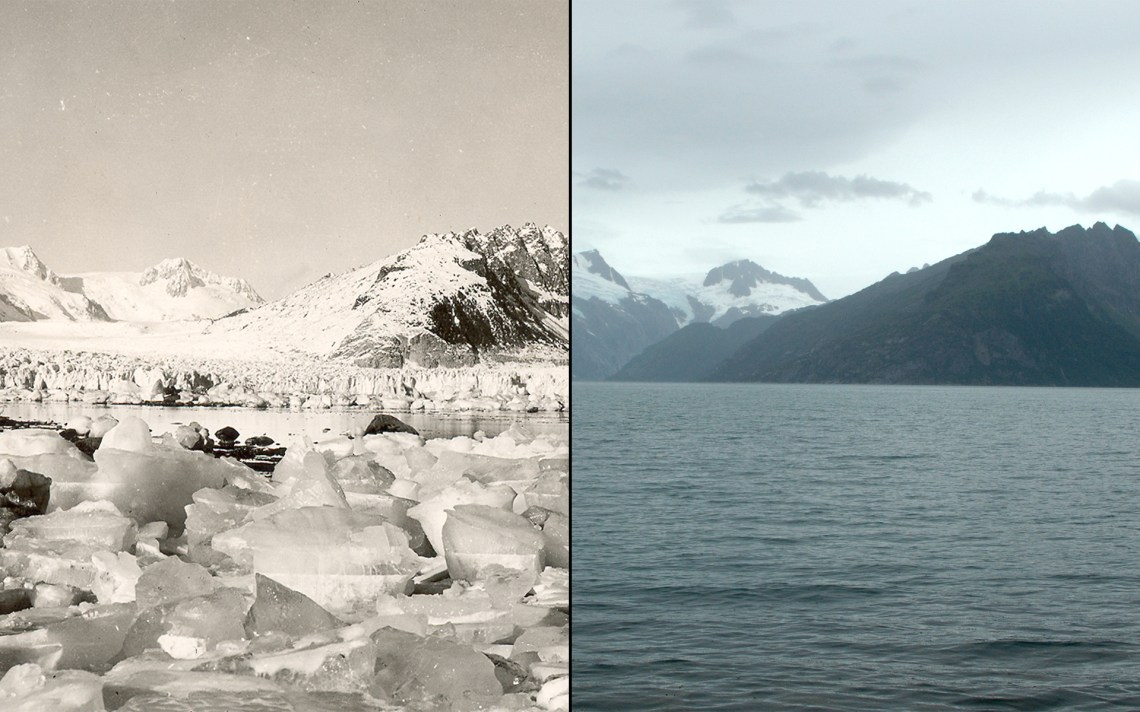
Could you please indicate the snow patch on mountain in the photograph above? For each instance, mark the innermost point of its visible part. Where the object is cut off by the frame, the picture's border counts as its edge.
(728, 293)
(174, 289)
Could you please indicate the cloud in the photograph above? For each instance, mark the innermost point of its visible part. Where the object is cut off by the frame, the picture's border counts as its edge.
(706, 14)
(604, 179)
(1122, 196)
(811, 188)
(771, 213)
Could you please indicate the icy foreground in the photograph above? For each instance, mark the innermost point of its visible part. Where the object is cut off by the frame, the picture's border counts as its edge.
(372, 572)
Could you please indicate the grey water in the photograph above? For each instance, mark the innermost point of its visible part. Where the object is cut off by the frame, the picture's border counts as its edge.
(796, 547)
(285, 426)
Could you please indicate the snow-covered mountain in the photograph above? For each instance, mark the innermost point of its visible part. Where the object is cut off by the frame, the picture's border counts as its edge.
(611, 322)
(729, 293)
(174, 289)
(452, 299)
(30, 291)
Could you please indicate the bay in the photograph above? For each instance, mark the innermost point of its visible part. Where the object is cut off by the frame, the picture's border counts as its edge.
(285, 426)
(855, 547)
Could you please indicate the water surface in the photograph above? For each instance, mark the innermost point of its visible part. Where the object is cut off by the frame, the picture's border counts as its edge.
(855, 548)
(285, 425)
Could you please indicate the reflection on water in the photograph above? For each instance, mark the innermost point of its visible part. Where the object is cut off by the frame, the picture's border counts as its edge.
(286, 425)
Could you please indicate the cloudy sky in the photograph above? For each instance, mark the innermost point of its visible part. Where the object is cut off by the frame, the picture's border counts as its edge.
(276, 140)
(841, 141)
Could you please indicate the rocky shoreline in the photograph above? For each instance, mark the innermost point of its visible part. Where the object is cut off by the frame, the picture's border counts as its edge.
(366, 572)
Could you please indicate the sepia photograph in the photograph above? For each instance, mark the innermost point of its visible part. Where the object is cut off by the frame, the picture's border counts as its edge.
(284, 355)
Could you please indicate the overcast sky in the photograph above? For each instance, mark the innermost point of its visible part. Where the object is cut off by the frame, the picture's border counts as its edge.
(841, 141)
(276, 140)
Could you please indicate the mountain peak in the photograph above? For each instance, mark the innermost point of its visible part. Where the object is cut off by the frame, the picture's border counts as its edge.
(744, 275)
(593, 262)
(181, 275)
(24, 259)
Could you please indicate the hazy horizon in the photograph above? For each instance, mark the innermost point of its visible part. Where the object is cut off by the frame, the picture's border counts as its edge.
(277, 142)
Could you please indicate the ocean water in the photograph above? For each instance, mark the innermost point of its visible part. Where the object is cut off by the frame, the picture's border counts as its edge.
(772, 547)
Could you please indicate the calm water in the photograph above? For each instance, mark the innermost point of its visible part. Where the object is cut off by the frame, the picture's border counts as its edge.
(855, 547)
(286, 425)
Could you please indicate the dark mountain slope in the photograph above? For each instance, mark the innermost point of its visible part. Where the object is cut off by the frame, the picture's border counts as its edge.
(1025, 309)
(693, 352)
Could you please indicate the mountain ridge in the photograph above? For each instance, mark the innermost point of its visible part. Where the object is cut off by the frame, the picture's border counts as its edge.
(1027, 308)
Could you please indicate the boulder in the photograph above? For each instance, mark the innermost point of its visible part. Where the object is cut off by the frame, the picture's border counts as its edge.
(388, 424)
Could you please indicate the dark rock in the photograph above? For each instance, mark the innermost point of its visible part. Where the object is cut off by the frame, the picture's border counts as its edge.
(532, 409)
(24, 494)
(227, 434)
(388, 424)
(512, 676)
(259, 441)
(15, 599)
(88, 445)
(69, 434)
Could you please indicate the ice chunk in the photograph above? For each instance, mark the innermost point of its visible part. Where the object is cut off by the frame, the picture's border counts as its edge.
(468, 616)
(432, 512)
(26, 688)
(102, 425)
(483, 468)
(477, 536)
(555, 694)
(100, 524)
(278, 608)
(189, 627)
(172, 580)
(550, 491)
(553, 589)
(157, 483)
(141, 688)
(339, 558)
(216, 511)
(555, 533)
(115, 576)
(362, 474)
(33, 441)
(131, 434)
(412, 670)
(337, 667)
(81, 424)
(88, 641)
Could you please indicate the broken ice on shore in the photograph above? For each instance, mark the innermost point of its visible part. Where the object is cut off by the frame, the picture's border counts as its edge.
(367, 573)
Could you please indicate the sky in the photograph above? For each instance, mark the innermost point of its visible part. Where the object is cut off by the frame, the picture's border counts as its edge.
(276, 140)
(843, 141)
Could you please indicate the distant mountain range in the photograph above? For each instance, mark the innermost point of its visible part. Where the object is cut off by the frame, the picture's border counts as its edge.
(615, 319)
(453, 299)
(1029, 308)
(174, 289)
